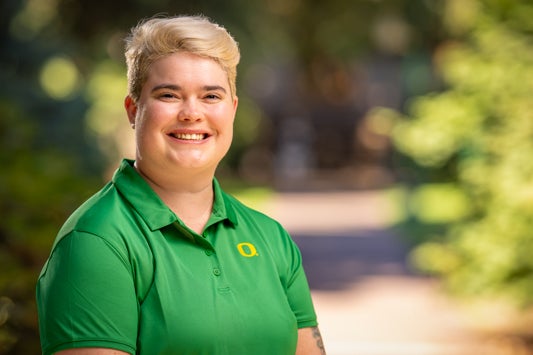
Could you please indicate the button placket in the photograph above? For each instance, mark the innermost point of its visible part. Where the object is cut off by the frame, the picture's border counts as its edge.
(213, 257)
(215, 268)
(219, 281)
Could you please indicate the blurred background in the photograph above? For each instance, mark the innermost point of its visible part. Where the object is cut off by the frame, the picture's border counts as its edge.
(394, 139)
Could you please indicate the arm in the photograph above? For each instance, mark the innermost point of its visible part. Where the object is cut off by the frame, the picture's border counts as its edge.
(310, 342)
(86, 298)
(91, 351)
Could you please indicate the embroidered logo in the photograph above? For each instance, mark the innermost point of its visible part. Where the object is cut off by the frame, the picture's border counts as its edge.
(247, 250)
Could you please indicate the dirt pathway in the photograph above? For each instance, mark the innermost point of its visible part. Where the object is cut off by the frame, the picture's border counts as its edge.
(368, 300)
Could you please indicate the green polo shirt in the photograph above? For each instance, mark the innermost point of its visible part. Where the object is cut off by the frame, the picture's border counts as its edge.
(126, 273)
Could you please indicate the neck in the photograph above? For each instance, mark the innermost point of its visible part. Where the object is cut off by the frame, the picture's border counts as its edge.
(193, 208)
(190, 198)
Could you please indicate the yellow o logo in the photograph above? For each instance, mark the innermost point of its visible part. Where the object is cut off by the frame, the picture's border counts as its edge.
(247, 249)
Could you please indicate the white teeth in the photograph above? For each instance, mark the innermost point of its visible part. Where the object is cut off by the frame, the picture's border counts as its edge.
(189, 136)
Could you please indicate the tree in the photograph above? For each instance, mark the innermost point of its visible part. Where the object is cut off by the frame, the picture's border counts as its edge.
(47, 167)
(479, 130)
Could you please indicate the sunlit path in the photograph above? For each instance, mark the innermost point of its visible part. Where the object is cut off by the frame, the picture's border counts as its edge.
(369, 301)
(392, 316)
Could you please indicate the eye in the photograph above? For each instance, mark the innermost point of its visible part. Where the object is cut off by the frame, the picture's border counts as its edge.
(213, 97)
(167, 95)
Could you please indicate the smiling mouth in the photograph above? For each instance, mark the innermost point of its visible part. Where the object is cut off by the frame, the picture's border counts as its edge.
(189, 136)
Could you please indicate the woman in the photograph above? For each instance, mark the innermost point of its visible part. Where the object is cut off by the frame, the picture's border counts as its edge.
(161, 260)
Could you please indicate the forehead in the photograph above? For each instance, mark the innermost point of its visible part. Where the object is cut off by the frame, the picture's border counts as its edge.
(183, 68)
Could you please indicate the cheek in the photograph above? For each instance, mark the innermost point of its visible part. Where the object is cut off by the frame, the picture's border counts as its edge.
(153, 115)
(226, 117)
(228, 129)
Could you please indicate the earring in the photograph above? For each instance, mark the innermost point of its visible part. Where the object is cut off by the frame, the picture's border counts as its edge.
(133, 125)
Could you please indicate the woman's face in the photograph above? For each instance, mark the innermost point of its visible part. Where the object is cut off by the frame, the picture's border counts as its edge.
(184, 116)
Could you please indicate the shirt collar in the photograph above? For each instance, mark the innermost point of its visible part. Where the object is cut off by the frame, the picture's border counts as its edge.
(152, 209)
(222, 207)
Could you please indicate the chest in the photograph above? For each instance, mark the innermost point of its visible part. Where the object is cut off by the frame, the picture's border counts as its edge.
(216, 295)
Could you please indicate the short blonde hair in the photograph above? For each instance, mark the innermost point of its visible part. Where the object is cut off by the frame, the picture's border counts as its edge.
(156, 38)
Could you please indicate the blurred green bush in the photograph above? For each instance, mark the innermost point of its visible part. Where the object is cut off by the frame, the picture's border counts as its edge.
(476, 136)
(33, 203)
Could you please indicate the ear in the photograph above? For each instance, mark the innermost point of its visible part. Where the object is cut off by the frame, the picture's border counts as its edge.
(235, 103)
(131, 109)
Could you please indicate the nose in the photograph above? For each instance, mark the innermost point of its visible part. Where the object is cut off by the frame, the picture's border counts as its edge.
(189, 111)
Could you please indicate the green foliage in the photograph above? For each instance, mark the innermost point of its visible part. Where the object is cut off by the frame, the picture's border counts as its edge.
(38, 189)
(44, 156)
(439, 203)
(481, 130)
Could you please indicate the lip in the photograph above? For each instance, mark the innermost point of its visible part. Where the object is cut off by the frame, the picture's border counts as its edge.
(188, 135)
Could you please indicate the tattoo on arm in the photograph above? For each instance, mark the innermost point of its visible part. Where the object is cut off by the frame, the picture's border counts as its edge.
(319, 342)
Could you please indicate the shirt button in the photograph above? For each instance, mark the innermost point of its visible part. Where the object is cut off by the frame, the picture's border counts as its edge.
(208, 252)
(216, 272)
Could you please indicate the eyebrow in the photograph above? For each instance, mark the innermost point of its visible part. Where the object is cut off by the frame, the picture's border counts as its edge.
(178, 88)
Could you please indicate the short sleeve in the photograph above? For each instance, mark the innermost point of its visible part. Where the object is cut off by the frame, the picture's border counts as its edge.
(86, 296)
(298, 292)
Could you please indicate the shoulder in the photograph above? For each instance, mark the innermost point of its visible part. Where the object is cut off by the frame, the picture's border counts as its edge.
(108, 229)
(104, 206)
(247, 215)
(105, 214)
